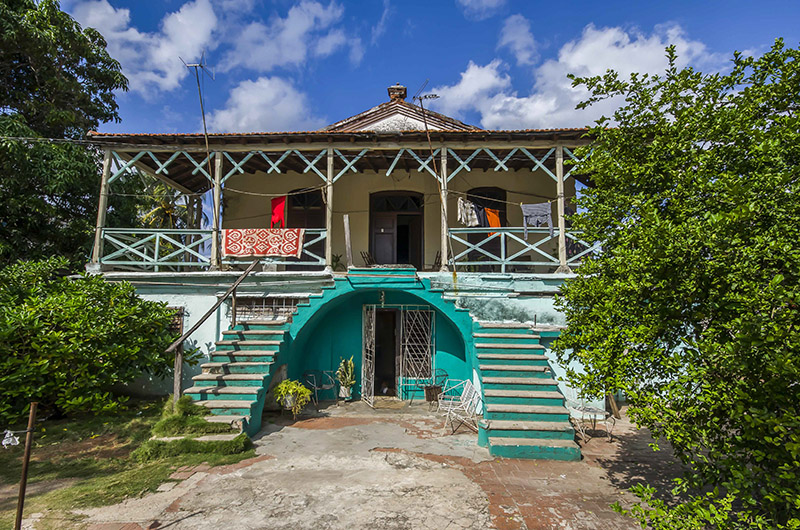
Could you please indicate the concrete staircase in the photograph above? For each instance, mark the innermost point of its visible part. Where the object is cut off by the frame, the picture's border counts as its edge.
(234, 384)
(524, 414)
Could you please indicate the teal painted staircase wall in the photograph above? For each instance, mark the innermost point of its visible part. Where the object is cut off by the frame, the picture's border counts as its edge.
(523, 410)
(233, 385)
(524, 414)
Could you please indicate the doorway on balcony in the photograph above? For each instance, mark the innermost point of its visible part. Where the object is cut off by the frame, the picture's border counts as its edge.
(305, 209)
(396, 228)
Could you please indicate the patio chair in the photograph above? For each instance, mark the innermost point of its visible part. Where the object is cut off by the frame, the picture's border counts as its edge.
(435, 383)
(369, 261)
(582, 416)
(319, 381)
(459, 402)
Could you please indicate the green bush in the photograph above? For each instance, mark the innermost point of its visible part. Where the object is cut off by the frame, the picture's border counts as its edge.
(66, 342)
(186, 417)
(157, 449)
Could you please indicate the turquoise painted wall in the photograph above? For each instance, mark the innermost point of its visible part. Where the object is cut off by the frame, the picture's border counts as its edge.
(335, 331)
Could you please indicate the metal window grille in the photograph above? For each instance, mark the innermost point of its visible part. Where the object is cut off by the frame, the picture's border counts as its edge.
(266, 308)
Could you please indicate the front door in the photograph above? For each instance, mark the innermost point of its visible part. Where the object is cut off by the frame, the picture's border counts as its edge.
(396, 232)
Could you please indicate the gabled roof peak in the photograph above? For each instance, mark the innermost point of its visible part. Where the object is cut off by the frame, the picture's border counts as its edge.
(398, 115)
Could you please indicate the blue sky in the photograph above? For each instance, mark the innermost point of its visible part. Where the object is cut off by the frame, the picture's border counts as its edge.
(500, 64)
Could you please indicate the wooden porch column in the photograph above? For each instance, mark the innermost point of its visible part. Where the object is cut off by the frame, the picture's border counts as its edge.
(445, 235)
(102, 207)
(215, 227)
(329, 214)
(562, 225)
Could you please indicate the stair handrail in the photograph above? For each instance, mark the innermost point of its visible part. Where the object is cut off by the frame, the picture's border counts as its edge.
(176, 387)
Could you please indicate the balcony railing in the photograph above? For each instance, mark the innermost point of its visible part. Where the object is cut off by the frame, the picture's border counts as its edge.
(314, 237)
(506, 250)
(162, 249)
(181, 250)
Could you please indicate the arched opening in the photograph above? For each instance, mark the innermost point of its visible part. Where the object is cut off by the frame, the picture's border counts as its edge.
(396, 227)
(494, 198)
(337, 331)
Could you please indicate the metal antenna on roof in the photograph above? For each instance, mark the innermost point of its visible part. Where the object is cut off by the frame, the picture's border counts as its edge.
(442, 198)
(197, 67)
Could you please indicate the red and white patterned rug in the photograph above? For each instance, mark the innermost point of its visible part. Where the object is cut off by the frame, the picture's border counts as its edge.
(262, 242)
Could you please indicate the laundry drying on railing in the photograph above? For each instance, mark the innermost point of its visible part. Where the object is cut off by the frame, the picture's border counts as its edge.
(536, 215)
(466, 213)
(263, 242)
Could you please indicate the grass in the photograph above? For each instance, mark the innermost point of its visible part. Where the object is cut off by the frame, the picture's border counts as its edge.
(86, 461)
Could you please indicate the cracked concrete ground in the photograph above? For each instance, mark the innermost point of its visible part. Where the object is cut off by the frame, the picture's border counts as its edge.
(352, 467)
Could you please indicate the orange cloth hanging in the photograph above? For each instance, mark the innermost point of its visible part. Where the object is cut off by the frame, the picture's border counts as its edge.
(493, 217)
(278, 212)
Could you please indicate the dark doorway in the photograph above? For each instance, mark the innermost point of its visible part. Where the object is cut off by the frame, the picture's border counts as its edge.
(488, 197)
(387, 339)
(396, 228)
(306, 210)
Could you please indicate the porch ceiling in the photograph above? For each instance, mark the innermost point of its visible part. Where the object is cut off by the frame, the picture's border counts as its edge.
(382, 149)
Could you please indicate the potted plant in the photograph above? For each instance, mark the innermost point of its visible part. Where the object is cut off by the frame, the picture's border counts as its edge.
(292, 395)
(346, 374)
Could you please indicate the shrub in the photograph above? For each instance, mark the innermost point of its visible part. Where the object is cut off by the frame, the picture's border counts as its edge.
(156, 449)
(65, 342)
(186, 417)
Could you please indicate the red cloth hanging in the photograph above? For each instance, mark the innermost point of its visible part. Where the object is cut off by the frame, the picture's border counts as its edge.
(278, 212)
(493, 217)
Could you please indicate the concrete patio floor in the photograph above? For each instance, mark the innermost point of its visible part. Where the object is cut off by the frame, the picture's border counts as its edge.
(353, 467)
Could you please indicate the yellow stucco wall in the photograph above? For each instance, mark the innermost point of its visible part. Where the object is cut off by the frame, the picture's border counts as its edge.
(352, 192)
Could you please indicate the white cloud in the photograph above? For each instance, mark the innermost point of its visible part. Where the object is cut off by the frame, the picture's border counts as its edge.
(151, 60)
(480, 9)
(380, 28)
(477, 84)
(552, 100)
(516, 35)
(266, 104)
(308, 30)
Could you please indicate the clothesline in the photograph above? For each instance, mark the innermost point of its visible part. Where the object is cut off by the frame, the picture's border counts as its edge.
(473, 196)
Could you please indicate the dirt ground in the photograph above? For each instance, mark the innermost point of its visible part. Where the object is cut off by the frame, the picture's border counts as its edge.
(353, 467)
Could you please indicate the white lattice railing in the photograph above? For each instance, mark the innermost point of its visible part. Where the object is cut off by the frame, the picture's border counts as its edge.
(168, 249)
(507, 248)
(182, 249)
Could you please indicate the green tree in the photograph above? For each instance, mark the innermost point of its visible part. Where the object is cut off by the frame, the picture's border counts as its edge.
(68, 342)
(693, 306)
(57, 81)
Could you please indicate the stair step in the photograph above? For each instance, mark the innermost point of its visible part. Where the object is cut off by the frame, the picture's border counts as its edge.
(521, 425)
(245, 342)
(276, 322)
(525, 409)
(512, 356)
(241, 367)
(268, 332)
(256, 380)
(225, 418)
(225, 404)
(503, 325)
(252, 353)
(218, 390)
(502, 346)
(529, 394)
(518, 381)
(513, 368)
(516, 336)
(538, 442)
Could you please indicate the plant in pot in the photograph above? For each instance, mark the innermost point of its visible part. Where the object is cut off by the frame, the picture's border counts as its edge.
(292, 395)
(346, 374)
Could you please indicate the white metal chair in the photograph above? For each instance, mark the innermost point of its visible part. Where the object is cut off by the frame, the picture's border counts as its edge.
(320, 380)
(582, 415)
(459, 402)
